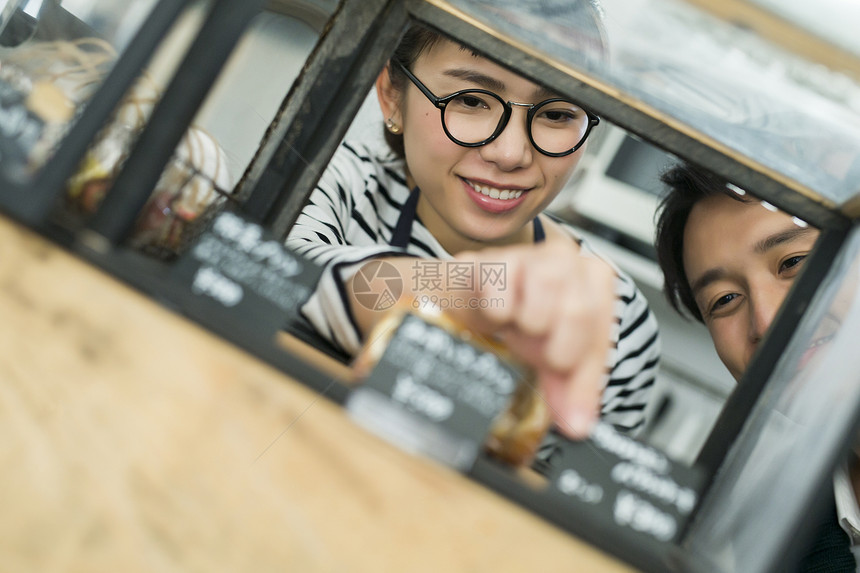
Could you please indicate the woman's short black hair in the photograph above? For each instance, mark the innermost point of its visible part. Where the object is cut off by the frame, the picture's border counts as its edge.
(687, 185)
(418, 39)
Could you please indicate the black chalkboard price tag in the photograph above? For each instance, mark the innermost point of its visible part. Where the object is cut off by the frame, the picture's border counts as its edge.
(620, 482)
(251, 277)
(434, 393)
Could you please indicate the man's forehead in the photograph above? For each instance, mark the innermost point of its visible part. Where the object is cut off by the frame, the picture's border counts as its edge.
(707, 222)
(720, 226)
(716, 216)
(733, 218)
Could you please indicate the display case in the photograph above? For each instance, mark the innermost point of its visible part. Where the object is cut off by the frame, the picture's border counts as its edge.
(67, 66)
(719, 87)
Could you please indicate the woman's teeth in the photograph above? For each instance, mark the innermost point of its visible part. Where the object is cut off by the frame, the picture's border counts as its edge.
(494, 193)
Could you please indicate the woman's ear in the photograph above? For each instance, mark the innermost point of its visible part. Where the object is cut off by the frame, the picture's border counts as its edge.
(389, 97)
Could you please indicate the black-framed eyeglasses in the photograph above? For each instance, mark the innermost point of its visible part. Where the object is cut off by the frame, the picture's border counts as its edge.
(475, 117)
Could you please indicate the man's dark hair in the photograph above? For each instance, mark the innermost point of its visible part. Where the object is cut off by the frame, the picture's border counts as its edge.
(688, 184)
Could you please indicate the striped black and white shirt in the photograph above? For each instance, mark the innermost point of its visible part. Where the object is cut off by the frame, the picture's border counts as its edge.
(350, 218)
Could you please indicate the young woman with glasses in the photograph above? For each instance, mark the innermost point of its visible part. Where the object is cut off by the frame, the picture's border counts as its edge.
(451, 214)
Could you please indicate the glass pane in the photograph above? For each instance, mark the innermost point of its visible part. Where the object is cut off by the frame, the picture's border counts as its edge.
(614, 197)
(221, 140)
(833, 20)
(256, 79)
(53, 57)
(723, 82)
(611, 200)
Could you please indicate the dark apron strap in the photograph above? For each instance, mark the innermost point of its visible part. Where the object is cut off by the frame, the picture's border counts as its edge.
(403, 229)
(539, 233)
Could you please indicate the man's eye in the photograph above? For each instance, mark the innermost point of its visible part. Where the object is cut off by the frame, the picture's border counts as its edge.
(792, 264)
(723, 301)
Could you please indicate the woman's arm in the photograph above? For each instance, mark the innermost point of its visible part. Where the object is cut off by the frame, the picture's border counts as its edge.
(633, 362)
(554, 311)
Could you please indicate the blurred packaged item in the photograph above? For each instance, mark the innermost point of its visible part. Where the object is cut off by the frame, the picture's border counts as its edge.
(517, 432)
(195, 179)
(42, 87)
(195, 182)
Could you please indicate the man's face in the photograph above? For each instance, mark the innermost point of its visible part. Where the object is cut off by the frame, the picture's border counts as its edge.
(741, 259)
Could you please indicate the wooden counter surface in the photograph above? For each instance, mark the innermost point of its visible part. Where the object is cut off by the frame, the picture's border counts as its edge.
(133, 440)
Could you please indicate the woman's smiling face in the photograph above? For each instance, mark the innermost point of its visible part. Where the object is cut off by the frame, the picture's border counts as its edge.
(473, 196)
(740, 259)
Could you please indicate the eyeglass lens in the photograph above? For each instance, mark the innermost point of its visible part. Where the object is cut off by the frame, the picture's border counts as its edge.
(556, 126)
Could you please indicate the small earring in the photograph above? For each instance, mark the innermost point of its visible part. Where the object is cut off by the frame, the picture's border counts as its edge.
(392, 127)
